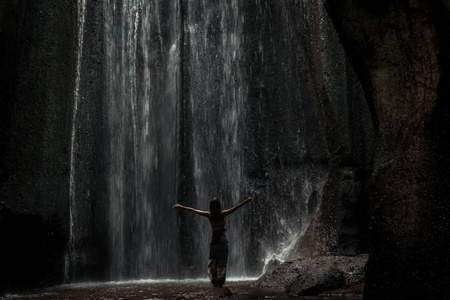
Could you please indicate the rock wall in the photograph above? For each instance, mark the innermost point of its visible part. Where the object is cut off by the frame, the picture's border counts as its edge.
(37, 40)
(87, 244)
(399, 50)
(306, 134)
(306, 114)
(384, 159)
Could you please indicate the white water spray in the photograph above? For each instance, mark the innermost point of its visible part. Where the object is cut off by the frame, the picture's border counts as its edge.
(69, 256)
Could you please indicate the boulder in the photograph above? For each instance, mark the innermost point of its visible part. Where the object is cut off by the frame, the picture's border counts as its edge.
(218, 293)
(310, 276)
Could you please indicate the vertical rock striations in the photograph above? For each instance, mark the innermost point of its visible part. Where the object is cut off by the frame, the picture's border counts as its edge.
(399, 50)
(308, 135)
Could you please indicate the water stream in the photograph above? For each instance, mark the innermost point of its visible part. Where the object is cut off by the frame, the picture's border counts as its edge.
(70, 256)
(217, 92)
(142, 104)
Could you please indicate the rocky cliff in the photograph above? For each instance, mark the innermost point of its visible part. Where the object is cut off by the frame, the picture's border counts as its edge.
(37, 42)
(400, 51)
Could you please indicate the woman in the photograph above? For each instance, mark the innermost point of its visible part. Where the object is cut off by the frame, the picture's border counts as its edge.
(218, 248)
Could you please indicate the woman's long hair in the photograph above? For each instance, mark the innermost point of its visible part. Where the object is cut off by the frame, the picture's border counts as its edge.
(214, 206)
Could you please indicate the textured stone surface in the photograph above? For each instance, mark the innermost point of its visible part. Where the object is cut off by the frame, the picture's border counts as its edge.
(37, 41)
(217, 293)
(399, 51)
(88, 149)
(305, 112)
(310, 276)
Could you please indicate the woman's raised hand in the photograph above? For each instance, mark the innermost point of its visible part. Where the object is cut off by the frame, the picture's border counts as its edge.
(250, 199)
(176, 206)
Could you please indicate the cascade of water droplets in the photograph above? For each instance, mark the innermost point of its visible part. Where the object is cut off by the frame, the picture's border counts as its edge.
(70, 256)
(142, 109)
(217, 93)
(142, 96)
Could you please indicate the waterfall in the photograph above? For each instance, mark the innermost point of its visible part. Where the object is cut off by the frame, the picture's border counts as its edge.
(142, 97)
(201, 99)
(142, 106)
(217, 92)
(142, 85)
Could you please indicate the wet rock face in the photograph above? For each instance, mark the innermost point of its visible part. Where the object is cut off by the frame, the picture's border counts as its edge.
(303, 141)
(312, 276)
(36, 89)
(306, 112)
(307, 127)
(397, 49)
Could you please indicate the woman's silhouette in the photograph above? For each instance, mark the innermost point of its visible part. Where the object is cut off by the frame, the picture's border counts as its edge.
(218, 248)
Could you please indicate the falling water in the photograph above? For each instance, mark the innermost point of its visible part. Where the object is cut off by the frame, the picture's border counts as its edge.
(70, 256)
(142, 96)
(149, 77)
(216, 97)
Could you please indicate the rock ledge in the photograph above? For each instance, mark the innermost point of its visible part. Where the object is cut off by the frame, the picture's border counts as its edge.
(312, 276)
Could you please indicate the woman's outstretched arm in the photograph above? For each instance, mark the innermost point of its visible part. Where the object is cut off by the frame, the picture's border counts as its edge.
(199, 212)
(233, 209)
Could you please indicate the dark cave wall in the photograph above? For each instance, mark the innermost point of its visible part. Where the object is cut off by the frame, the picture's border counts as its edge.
(340, 225)
(399, 51)
(88, 246)
(37, 42)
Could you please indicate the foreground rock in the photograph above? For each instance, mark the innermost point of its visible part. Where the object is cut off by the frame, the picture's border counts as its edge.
(311, 276)
(217, 293)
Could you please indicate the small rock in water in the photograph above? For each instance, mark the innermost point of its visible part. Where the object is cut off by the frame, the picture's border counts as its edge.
(218, 292)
